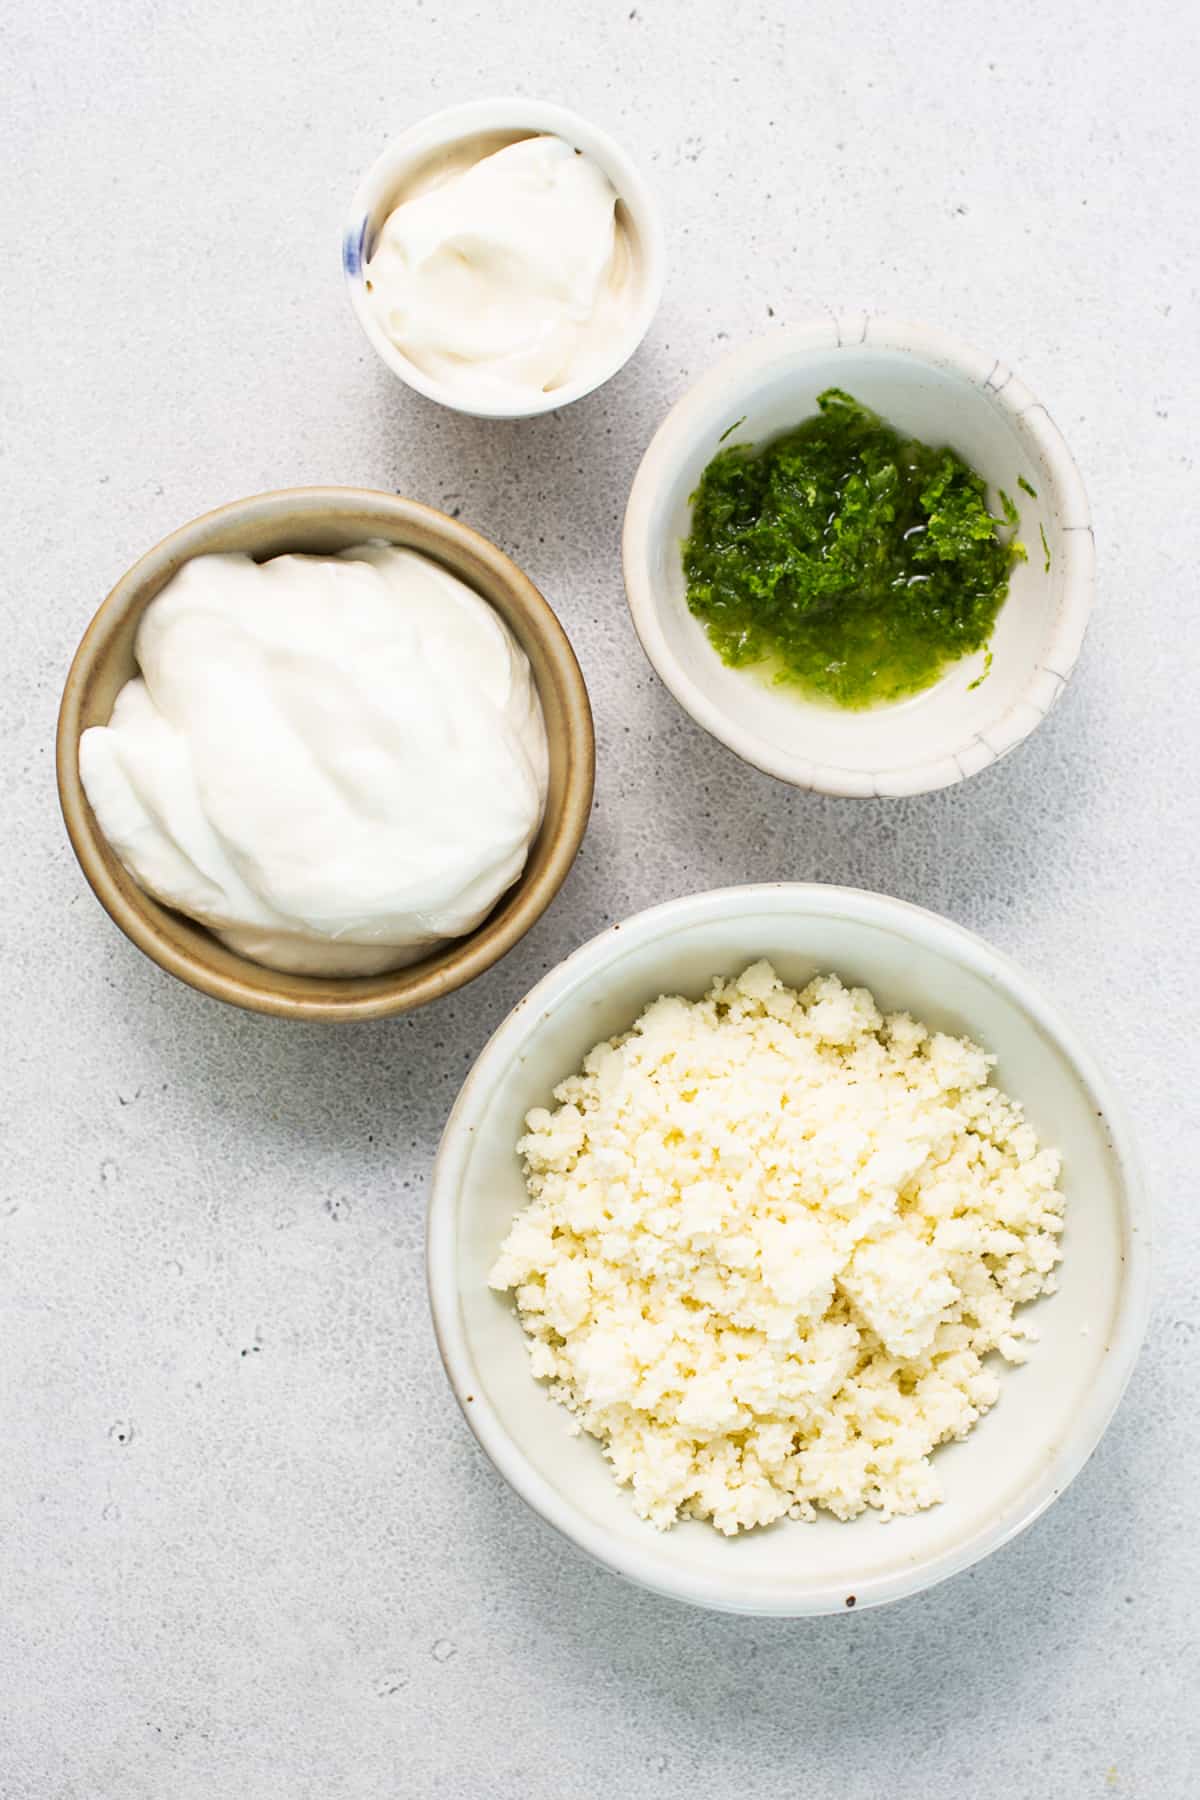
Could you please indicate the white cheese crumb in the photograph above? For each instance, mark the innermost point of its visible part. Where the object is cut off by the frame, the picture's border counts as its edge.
(771, 1238)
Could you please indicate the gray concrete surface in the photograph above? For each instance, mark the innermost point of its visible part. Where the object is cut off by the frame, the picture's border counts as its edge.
(247, 1547)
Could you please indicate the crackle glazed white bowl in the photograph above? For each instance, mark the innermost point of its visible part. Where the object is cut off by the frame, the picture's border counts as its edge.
(944, 392)
(1051, 1412)
(491, 125)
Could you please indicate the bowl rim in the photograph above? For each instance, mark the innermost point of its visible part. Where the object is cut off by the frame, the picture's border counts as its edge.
(834, 331)
(472, 118)
(639, 1563)
(399, 990)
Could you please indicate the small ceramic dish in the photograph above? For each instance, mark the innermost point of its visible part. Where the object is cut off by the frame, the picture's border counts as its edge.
(321, 521)
(1051, 1412)
(491, 125)
(943, 392)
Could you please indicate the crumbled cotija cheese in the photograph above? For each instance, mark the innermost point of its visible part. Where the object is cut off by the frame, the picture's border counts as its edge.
(771, 1238)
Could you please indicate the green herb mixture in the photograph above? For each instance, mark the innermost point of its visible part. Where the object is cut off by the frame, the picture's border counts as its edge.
(846, 559)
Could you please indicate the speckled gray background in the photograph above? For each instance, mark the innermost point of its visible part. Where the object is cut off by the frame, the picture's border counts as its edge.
(247, 1547)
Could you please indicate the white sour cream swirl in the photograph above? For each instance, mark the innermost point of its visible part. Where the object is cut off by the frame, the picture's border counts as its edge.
(335, 763)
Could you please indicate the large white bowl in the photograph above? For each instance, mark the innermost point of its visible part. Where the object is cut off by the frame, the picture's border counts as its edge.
(945, 393)
(490, 125)
(1051, 1412)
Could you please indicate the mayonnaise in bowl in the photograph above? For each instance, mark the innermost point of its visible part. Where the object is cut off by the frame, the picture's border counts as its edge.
(504, 258)
(510, 272)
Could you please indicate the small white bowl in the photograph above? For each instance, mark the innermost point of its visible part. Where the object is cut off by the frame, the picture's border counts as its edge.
(495, 124)
(1051, 1413)
(945, 393)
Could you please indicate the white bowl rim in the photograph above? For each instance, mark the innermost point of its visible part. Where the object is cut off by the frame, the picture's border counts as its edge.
(926, 343)
(472, 118)
(640, 1563)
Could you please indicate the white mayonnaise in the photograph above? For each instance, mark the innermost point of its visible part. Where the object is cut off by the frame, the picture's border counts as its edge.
(509, 273)
(335, 763)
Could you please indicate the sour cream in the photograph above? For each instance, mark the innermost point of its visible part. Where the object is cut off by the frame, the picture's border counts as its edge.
(334, 763)
(511, 273)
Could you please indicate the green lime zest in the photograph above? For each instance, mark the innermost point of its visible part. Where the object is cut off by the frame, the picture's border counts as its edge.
(983, 673)
(846, 559)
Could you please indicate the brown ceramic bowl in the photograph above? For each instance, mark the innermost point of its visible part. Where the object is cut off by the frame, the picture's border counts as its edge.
(323, 520)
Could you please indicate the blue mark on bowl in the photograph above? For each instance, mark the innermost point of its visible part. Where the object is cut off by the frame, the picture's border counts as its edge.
(352, 250)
